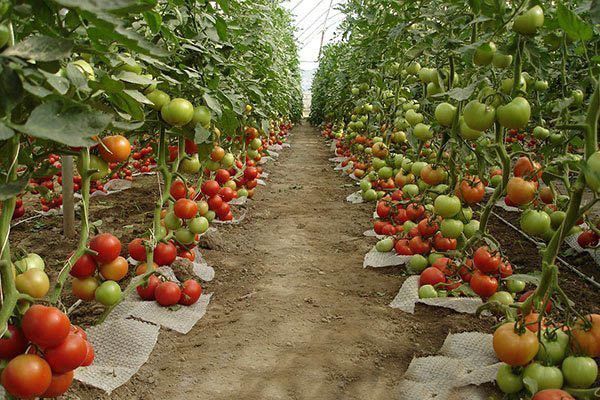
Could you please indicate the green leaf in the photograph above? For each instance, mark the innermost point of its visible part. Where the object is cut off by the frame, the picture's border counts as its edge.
(229, 121)
(132, 77)
(76, 77)
(128, 105)
(572, 24)
(37, 91)
(107, 84)
(41, 48)
(154, 21)
(5, 132)
(460, 94)
(113, 6)
(11, 90)
(201, 134)
(65, 122)
(212, 104)
(224, 4)
(10, 190)
(530, 384)
(139, 97)
(57, 82)
(525, 278)
(595, 11)
(127, 126)
(221, 27)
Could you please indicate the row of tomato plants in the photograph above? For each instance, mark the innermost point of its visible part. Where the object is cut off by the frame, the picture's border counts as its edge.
(201, 89)
(485, 110)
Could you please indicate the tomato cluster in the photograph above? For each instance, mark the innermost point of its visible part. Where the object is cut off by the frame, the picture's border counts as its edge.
(43, 353)
(95, 275)
(168, 293)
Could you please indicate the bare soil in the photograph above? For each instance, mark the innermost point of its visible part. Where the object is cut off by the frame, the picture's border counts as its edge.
(294, 315)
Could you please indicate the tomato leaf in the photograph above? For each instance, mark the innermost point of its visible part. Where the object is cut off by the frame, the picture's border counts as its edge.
(5, 132)
(11, 90)
(41, 48)
(57, 82)
(530, 278)
(65, 122)
(530, 384)
(572, 24)
(154, 21)
(113, 6)
(221, 27)
(10, 190)
(459, 94)
(201, 134)
(127, 126)
(212, 103)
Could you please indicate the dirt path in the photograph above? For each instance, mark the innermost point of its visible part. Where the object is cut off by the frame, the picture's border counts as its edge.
(294, 316)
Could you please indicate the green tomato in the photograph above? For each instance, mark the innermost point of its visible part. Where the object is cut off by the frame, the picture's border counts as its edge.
(172, 222)
(407, 164)
(514, 115)
(451, 228)
(580, 372)
(466, 132)
(369, 195)
(210, 215)
(190, 165)
(413, 117)
(541, 133)
(447, 206)
(385, 245)
(407, 226)
(442, 293)
(502, 298)
(529, 22)
(445, 113)
(553, 347)
(545, 377)
(479, 116)
(158, 98)
(108, 293)
(502, 60)
(556, 138)
(242, 192)
(31, 261)
(417, 167)
(507, 85)
(422, 132)
(378, 163)
(201, 116)
(413, 68)
(198, 225)
(398, 159)
(484, 54)
(556, 218)
(4, 35)
(184, 236)
(215, 165)
(178, 112)
(433, 89)
(427, 292)
(433, 257)
(365, 185)
(471, 228)
(85, 69)
(577, 96)
(417, 263)
(541, 85)
(411, 190)
(535, 223)
(97, 164)
(515, 285)
(355, 91)
(255, 143)
(508, 381)
(385, 172)
(227, 161)
(592, 172)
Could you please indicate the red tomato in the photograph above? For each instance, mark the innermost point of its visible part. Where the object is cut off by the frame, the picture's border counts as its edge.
(89, 355)
(185, 208)
(485, 261)
(383, 209)
(528, 293)
(444, 244)
(137, 250)
(59, 384)
(107, 246)
(68, 355)
(13, 346)
(178, 190)
(26, 376)
(210, 188)
(431, 276)
(483, 285)
(146, 292)
(84, 266)
(190, 147)
(250, 173)
(222, 176)
(505, 270)
(552, 394)
(402, 248)
(428, 227)
(215, 202)
(165, 253)
(167, 294)
(227, 194)
(419, 246)
(443, 264)
(45, 326)
(191, 292)
(415, 211)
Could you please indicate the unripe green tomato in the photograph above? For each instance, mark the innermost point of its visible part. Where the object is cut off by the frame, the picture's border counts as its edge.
(178, 112)
(158, 98)
(108, 293)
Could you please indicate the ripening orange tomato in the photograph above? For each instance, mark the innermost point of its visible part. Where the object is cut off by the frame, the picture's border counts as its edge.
(115, 148)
